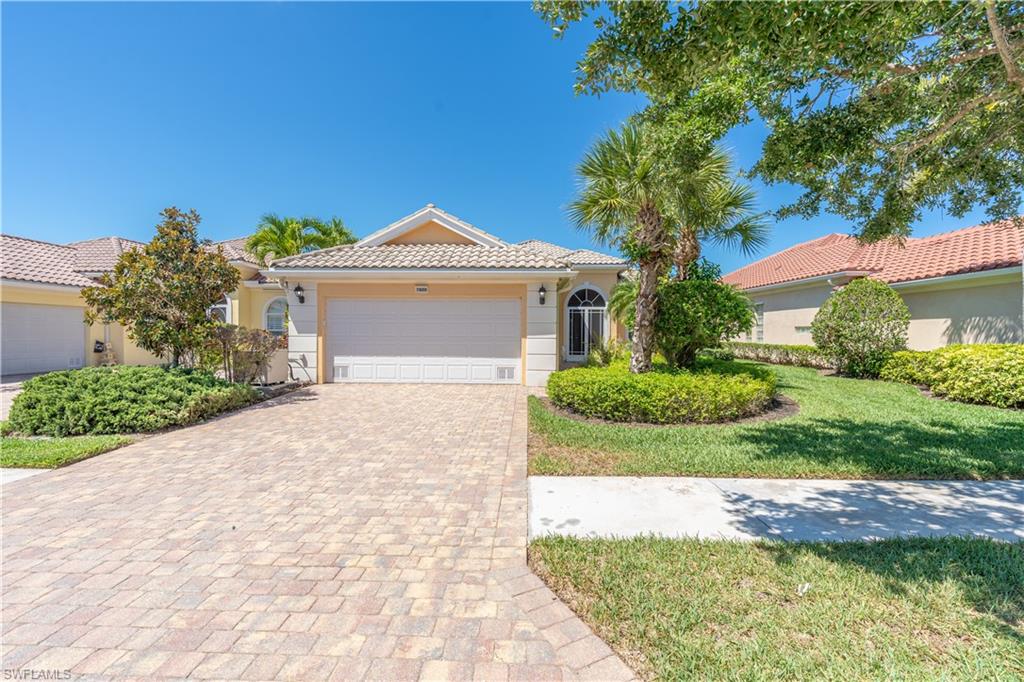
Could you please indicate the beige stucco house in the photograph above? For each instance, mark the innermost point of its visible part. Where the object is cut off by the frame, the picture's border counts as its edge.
(429, 298)
(42, 311)
(961, 287)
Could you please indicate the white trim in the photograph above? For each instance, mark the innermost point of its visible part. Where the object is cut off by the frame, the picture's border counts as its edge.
(811, 280)
(266, 307)
(425, 214)
(607, 319)
(415, 273)
(22, 284)
(603, 266)
(963, 276)
(252, 284)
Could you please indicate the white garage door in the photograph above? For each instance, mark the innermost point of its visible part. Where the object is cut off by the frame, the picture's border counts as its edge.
(40, 338)
(439, 341)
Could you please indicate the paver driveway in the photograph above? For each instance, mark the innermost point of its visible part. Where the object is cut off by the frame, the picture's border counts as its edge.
(349, 531)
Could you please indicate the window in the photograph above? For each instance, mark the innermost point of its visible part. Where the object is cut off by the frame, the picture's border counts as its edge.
(220, 312)
(759, 322)
(275, 317)
(586, 311)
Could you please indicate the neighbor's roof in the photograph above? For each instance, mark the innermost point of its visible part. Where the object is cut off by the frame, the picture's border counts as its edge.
(234, 250)
(577, 257)
(974, 249)
(29, 260)
(422, 256)
(100, 255)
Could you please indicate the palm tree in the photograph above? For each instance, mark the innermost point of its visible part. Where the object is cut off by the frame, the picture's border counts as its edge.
(625, 200)
(718, 209)
(331, 233)
(277, 237)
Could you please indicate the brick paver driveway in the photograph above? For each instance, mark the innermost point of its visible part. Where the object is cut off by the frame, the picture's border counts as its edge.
(343, 531)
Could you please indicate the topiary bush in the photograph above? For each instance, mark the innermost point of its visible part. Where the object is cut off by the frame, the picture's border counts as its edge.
(860, 326)
(716, 392)
(779, 354)
(986, 374)
(101, 400)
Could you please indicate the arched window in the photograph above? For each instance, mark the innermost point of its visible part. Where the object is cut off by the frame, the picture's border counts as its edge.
(220, 312)
(275, 317)
(587, 322)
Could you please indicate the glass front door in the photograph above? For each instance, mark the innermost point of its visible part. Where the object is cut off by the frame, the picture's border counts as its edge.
(586, 323)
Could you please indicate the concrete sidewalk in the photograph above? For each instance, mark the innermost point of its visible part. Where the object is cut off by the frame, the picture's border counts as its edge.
(747, 509)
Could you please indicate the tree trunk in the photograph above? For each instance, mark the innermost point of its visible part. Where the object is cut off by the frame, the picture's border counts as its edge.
(651, 236)
(686, 252)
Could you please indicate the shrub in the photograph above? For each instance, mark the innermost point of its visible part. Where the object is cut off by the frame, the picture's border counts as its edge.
(779, 354)
(100, 400)
(723, 354)
(604, 352)
(986, 374)
(695, 314)
(860, 326)
(716, 392)
(240, 352)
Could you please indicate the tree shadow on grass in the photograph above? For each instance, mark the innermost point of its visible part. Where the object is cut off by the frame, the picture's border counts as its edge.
(904, 449)
(988, 574)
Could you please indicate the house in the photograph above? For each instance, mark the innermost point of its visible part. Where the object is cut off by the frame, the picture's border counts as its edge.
(42, 310)
(431, 298)
(961, 287)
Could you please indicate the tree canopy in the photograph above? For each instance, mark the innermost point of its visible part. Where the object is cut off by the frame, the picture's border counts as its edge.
(878, 109)
(162, 292)
(278, 237)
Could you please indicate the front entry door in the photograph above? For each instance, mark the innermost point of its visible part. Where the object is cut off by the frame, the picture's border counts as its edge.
(586, 323)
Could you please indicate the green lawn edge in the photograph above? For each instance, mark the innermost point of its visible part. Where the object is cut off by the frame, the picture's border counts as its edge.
(52, 453)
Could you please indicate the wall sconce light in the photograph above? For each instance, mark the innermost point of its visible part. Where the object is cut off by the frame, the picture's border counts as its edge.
(300, 293)
(542, 293)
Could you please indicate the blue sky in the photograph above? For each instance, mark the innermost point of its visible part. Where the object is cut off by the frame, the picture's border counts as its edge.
(113, 111)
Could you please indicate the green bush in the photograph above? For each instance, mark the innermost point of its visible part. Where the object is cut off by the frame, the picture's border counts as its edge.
(723, 354)
(986, 374)
(604, 352)
(860, 326)
(779, 354)
(101, 400)
(715, 392)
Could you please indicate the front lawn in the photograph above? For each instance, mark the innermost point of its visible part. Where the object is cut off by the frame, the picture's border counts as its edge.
(846, 428)
(49, 453)
(949, 608)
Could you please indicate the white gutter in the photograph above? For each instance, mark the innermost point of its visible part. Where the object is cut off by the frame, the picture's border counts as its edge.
(811, 280)
(414, 273)
(23, 284)
(964, 276)
(602, 266)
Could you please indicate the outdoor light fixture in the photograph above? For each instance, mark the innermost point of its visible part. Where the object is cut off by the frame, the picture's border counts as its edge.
(542, 292)
(300, 293)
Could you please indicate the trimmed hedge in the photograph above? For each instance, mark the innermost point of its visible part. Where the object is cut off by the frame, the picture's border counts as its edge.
(986, 374)
(102, 400)
(717, 392)
(779, 354)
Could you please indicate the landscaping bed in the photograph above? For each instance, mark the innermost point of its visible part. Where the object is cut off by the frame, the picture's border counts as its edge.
(714, 391)
(949, 608)
(124, 399)
(50, 453)
(846, 428)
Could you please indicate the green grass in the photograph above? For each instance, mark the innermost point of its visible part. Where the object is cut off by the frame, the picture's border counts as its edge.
(846, 428)
(907, 609)
(50, 453)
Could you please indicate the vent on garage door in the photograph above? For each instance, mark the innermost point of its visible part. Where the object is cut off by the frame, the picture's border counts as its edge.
(506, 372)
(340, 372)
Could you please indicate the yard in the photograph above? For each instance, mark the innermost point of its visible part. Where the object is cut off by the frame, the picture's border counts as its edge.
(845, 428)
(49, 453)
(948, 608)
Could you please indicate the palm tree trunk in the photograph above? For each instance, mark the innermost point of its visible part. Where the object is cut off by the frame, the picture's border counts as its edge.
(686, 252)
(651, 236)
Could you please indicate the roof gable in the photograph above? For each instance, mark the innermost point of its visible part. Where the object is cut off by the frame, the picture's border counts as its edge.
(430, 214)
(431, 232)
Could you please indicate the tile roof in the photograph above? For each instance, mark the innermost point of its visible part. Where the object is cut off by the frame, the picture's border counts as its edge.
(422, 256)
(30, 260)
(577, 257)
(234, 249)
(100, 255)
(982, 247)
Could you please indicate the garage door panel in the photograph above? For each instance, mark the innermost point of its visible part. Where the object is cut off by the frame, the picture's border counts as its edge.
(424, 341)
(40, 338)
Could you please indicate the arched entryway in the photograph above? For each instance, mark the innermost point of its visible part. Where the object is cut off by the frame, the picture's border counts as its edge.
(586, 321)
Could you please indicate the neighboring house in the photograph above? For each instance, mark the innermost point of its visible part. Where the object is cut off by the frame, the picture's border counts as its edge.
(431, 298)
(43, 312)
(961, 287)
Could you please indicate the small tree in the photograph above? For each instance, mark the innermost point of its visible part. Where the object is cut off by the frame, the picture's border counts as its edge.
(242, 353)
(161, 293)
(860, 326)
